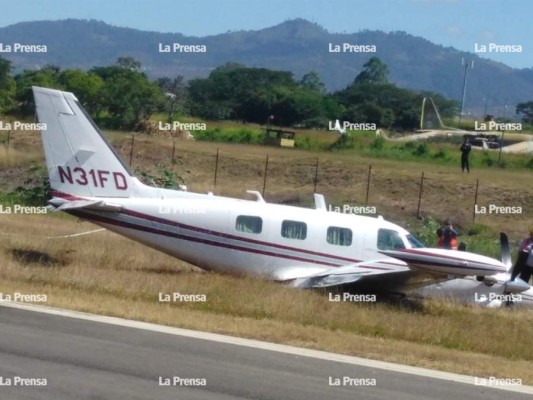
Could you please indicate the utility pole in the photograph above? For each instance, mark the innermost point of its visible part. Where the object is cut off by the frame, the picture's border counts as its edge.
(467, 65)
(503, 133)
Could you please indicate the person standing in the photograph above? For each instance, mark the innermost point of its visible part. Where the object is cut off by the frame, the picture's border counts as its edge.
(465, 148)
(449, 237)
(524, 262)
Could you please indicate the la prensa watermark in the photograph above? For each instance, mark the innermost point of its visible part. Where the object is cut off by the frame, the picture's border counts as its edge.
(20, 209)
(177, 297)
(177, 381)
(24, 297)
(19, 381)
(497, 382)
(351, 381)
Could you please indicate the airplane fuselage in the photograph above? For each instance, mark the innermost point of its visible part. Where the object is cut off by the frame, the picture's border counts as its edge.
(249, 237)
(309, 248)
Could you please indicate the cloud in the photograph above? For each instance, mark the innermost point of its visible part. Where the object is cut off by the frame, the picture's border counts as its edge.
(488, 35)
(454, 30)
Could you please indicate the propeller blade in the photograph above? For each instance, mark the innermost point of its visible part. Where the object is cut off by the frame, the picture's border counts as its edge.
(506, 251)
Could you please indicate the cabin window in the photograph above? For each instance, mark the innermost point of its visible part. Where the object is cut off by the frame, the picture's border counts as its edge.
(339, 236)
(249, 224)
(389, 240)
(294, 230)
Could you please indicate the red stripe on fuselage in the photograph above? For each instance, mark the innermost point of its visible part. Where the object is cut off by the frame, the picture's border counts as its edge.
(163, 221)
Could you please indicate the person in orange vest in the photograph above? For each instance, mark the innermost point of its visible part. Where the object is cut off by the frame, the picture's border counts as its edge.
(449, 237)
(440, 236)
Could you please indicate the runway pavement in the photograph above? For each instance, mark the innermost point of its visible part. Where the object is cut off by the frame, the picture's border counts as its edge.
(80, 358)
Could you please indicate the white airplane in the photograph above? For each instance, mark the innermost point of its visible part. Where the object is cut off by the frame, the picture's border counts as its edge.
(308, 248)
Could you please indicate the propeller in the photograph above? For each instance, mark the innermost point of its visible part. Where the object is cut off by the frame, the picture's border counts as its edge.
(506, 251)
(505, 257)
(511, 286)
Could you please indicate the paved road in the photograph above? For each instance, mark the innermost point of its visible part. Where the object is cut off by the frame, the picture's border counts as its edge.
(83, 359)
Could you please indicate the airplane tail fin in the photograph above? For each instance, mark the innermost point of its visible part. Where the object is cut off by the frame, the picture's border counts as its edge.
(80, 162)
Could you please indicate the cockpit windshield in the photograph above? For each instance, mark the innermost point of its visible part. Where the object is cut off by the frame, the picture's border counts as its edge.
(414, 242)
(389, 239)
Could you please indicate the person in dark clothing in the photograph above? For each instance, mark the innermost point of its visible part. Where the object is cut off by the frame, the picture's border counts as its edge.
(465, 153)
(440, 236)
(524, 262)
(449, 237)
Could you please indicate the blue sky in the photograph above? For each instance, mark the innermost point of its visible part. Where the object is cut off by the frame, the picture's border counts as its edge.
(455, 23)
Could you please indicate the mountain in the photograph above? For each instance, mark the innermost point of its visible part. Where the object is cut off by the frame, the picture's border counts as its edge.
(295, 45)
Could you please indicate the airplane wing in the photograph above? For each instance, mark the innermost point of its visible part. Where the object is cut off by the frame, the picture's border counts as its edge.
(448, 262)
(350, 273)
(425, 265)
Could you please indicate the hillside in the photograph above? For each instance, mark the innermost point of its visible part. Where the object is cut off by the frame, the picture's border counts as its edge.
(295, 45)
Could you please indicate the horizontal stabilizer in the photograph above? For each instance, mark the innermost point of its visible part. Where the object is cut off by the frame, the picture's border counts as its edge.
(96, 205)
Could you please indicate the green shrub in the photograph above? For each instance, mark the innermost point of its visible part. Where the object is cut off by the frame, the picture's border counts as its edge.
(378, 143)
(35, 192)
(421, 149)
(487, 160)
(442, 154)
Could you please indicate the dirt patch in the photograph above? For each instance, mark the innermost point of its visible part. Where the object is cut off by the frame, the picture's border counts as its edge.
(38, 258)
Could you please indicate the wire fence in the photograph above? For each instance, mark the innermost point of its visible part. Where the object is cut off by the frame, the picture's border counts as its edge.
(273, 172)
(292, 177)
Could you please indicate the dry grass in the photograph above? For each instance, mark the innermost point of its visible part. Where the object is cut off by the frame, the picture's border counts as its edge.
(342, 177)
(103, 273)
(106, 274)
(15, 157)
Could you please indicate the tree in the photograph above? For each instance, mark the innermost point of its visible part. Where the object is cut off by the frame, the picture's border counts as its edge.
(175, 92)
(127, 95)
(238, 93)
(526, 109)
(7, 86)
(312, 81)
(374, 71)
(86, 86)
(47, 77)
(128, 63)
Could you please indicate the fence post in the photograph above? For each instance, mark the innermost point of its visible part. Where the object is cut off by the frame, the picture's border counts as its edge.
(316, 175)
(265, 177)
(132, 144)
(475, 201)
(8, 138)
(420, 195)
(368, 184)
(216, 171)
(173, 147)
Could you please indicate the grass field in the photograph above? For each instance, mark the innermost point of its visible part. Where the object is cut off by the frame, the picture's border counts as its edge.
(343, 178)
(106, 274)
(103, 273)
